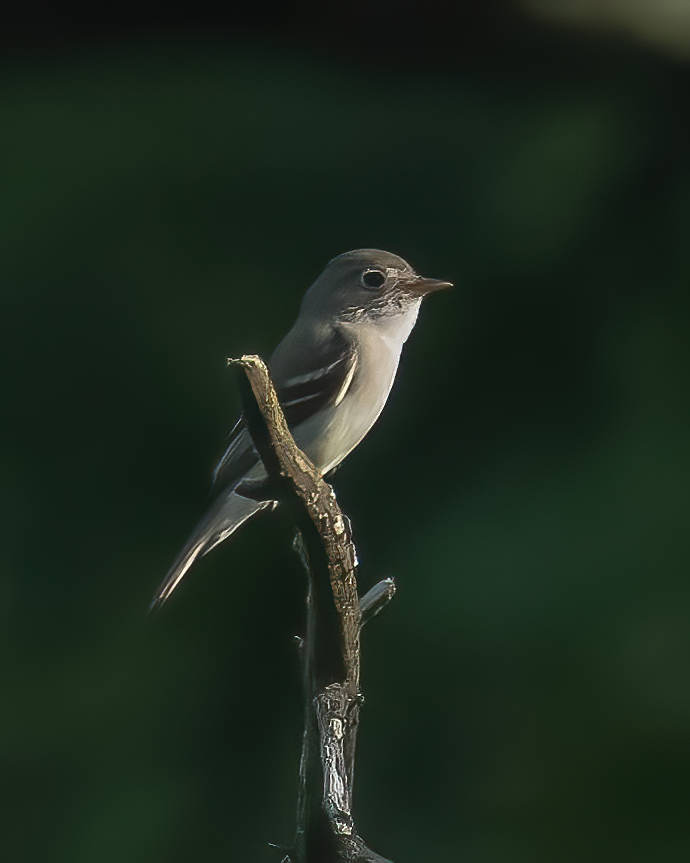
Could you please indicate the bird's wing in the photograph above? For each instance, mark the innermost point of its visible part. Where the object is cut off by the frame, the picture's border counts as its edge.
(307, 380)
(224, 516)
(239, 456)
(302, 394)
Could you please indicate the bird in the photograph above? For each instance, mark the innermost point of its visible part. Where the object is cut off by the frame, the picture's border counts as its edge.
(333, 373)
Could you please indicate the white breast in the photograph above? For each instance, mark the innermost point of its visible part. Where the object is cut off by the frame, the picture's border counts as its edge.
(333, 433)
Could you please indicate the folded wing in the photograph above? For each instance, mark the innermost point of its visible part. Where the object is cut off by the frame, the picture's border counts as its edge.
(301, 397)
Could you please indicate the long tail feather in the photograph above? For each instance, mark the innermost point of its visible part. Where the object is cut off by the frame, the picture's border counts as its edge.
(223, 518)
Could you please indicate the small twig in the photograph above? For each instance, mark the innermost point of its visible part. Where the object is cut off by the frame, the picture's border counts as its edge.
(376, 599)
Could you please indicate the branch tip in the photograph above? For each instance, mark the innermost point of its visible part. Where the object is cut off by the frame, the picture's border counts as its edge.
(246, 361)
(376, 599)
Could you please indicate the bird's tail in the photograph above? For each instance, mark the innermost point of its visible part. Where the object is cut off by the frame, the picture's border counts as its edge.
(225, 515)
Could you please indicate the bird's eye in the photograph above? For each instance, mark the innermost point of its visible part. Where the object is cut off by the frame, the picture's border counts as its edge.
(373, 279)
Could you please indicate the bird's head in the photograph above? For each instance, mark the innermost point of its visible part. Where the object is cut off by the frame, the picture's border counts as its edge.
(368, 282)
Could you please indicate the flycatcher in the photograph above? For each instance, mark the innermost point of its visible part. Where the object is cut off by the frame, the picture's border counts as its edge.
(333, 372)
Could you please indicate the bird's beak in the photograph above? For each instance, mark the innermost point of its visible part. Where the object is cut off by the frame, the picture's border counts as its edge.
(420, 286)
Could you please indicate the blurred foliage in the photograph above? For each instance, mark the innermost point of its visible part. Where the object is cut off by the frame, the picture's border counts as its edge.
(664, 24)
(165, 206)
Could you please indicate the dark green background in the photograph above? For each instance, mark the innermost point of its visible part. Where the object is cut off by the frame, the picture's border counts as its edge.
(164, 205)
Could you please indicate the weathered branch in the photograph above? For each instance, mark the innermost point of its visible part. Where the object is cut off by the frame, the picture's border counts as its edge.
(330, 649)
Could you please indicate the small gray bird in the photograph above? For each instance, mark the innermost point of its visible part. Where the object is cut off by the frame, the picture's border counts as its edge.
(333, 372)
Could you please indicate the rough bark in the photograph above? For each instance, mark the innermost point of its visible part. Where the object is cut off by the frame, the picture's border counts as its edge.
(330, 649)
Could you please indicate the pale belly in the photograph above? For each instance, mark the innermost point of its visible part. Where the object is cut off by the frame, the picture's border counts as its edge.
(329, 436)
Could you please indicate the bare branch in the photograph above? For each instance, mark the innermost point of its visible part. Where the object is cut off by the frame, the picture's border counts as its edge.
(330, 650)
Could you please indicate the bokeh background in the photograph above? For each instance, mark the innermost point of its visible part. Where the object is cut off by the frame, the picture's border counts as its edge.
(168, 193)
